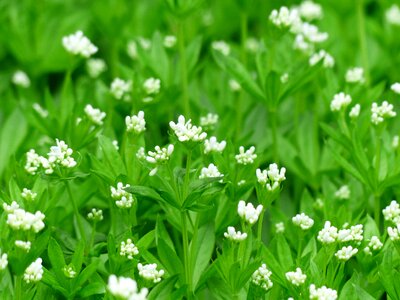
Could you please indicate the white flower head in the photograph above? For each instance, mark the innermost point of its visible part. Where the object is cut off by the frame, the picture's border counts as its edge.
(141, 153)
(374, 244)
(95, 215)
(279, 227)
(34, 272)
(95, 66)
(126, 288)
(322, 293)
(395, 87)
(343, 192)
(328, 60)
(222, 47)
(212, 145)
(121, 88)
(382, 112)
(150, 272)
(20, 78)
(69, 271)
(394, 233)
(303, 221)
(136, 123)
(310, 10)
(78, 44)
(355, 111)
(3, 260)
(209, 120)
(346, 253)
(128, 249)
(271, 177)
(328, 234)
(392, 15)
(24, 245)
(246, 157)
(210, 172)
(392, 212)
(122, 197)
(170, 41)
(355, 75)
(115, 144)
(159, 156)
(248, 212)
(152, 86)
(297, 277)
(28, 195)
(285, 17)
(235, 236)
(340, 101)
(40, 110)
(262, 277)
(94, 114)
(185, 131)
(19, 219)
(354, 233)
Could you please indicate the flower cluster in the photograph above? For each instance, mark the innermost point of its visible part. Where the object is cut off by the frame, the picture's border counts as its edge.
(284, 17)
(122, 197)
(94, 114)
(151, 87)
(28, 195)
(78, 44)
(209, 120)
(393, 15)
(374, 244)
(69, 271)
(246, 157)
(169, 41)
(355, 111)
(395, 87)
(248, 212)
(95, 215)
(24, 245)
(340, 101)
(125, 288)
(343, 192)
(322, 293)
(40, 110)
(159, 156)
(20, 78)
(222, 47)
(392, 212)
(272, 177)
(262, 277)
(327, 60)
(382, 112)
(346, 253)
(303, 221)
(128, 249)
(210, 172)
(233, 235)
(212, 145)
(150, 272)
(136, 123)
(121, 88)
(297, 277)
(328, 234)
(34, 272)
(95, 66)
(3, 260)
(355, 75)
(185, 131)
(19, 219)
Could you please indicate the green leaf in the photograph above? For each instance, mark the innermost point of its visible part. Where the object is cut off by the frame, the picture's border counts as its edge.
(284, 253)
(77, 258)
(164, 289)
(111, 156)
(168, 258)
(192, 52)
(94, 288)
(57, 260)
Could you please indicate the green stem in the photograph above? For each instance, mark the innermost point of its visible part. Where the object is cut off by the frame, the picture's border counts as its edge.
(183, 65)
(76, 211)
(377, 212)
(92, 236)
(274, 128)
(186, 254)
(260, 227)
(363, 39)
(187, 175)
(18, 288)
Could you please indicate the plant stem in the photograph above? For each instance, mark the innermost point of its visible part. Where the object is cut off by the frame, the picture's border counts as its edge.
(76, 211)
(92, 236)
(18, 288)
(260, 226)
(363, 38)
(274, 121)
(186, 254)
(187, 174)
(377, 205)
(183, 65)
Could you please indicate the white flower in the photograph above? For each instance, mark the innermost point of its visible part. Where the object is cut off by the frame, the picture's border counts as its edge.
(246, 157)
(131, 49)
(125, 288)
(352, 234)
(169, 41)
(303, 221)
(69, 271)
(60, 155)
(392, 212)
(346, 253)
(311, 33)
(301, 44)
(234, 235)
(78, 44)
(248, 212)
(94, 114)
(394, 233)
(328, 60)
(210, 172)
(343, 192)
(128, 249)
(374, 244)
(186, 131)
(3, 260)
(284, 17)
(279, 227)
(212, 145)
(115, 144)
(40, 110)
(296, 278)
(379, 113)
(152, 86)
(234, 85)
(121, 88)
(328, 234)
(393, 15)
(149, 272)
(395, 141)
(395, 87)
(20, 78)
(25, 245)
(340, 101)
(355, 111)
(28, 195)
(322, 293)
(136, 123)
(95, 215)
(95, 66)
(141, 153)
(310, 10)
(272, 177)
(355, 75)
(209, 120)
(20, 219)
(159, 156)
(222, 47)
(34, 272)
(122, 197)
(262, 277)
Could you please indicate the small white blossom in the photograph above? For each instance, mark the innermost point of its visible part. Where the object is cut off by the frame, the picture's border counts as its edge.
(150, 272)
(248, 212)
(222, 47)
(374, 244)
(340, 101)
(32, 162)
(3, 260)
(136, 123)
(185, 131)
(125, 288)
(159, 156)
(131, 49)
(262, 277)
(24, 245)
(34, 272)
(128, 249)
(234, 85)
(246, 157)
(241, 182)
(392, 212)
(69, 271)
(209, 120)
(284, 17)
(95, 215)
(141, 153)
(121, 88)
(169, 41)
(322, 293)
(152, 86)
(395, 87)
(382, 112)
(212, 145)
(355, 75)
(296, 278)
(28, 195)
(19, 219)
(20, 78)
(328, 60)
(40, 110)
(94, 114)
(310, 33)
(272, 177)
(355, 233)
(394, 233)
(346, 253)
(310, 10)
(355, 111)
(303, 221)
(233, 235)
(343, 192)
(392, 15)
(210, 172)
(59, 155)
(115, 144)
(95, 66)
(328, 234)
(279, 227)
(122, 197)
(78, 44)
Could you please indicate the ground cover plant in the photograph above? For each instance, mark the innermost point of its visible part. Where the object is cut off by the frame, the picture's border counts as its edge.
(199, 149)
